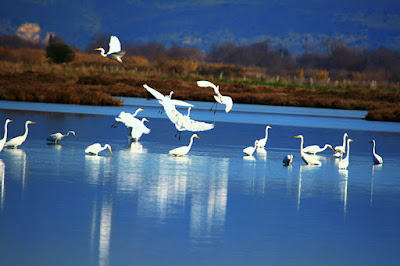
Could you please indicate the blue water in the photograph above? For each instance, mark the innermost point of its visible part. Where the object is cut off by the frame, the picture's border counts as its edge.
(141, 206)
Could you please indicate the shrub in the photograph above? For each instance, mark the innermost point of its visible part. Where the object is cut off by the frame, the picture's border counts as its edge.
(60, 53)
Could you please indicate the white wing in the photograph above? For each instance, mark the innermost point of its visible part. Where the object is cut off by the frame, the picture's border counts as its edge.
(115, 45)
(181, 103)
(192, 125)
(205, 83)
(155, 93)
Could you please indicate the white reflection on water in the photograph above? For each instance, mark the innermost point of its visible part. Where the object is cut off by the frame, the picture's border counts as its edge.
(375, 168)
(164, 191)
(96, 167)
(209, 199)
(261, 154)
(2, 177)
(343, 184)
(18, 162)
(101, 230)
(305, 170)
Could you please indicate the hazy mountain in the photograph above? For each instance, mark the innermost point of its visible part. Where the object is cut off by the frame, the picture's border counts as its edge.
(291, 23)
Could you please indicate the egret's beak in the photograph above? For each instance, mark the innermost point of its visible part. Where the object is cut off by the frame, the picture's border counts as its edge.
(146, 120)
(111, 151)
(32, 122)
(141, 109)
(10, 120)
(98, 49)
(269, 127)
(198, 137)
(296, 137)
(75, 136)
(351, 140)
(332, 149)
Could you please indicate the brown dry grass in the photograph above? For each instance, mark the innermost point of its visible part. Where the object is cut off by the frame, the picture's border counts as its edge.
(26, 75)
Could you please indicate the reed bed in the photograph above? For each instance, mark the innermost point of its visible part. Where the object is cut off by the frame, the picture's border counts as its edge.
(26, 75)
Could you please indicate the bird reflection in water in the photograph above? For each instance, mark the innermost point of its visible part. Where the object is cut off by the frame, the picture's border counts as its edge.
(19, 162)
(101, 229)
(375, 169)
(343, 185)
(261, 154)
(209, 199)
(2, 178)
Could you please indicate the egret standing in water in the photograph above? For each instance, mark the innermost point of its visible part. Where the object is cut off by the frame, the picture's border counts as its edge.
(262, 142)
(114, 51)
(375, 157)
(344, 163)
(94, 149)
(180, 151)
(15, 142)
(308, 159)
(56, 137)
(340, 150)
(3, 140)
(250, 150)
(219, 98)
(313, 149)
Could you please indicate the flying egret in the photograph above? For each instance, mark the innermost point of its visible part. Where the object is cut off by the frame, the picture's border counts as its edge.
(180, 151)
(123, 117)
(94, 149)
(288, 159)
(340, 150)
(114, 51)
(345, 162)
(137, 132)
(166, 98)
(313, 149)
(15, 142)
(56, 137)
(250, 150)
(3, 140)
(185, 123)
(308, 159)
(377, 159)
(219, 98)
(262, 142)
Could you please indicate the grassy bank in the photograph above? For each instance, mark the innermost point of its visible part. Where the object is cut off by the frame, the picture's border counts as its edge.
(25, 75)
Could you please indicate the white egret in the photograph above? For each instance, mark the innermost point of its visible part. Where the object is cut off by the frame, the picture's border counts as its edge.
(15, 142)
(340, 150)
(137, 132)
(3, 140)
(94, 149)
(114, 51)
(123, 117)
(180, 151)
(313, 149)
(250, 150)
(262, 142)
(308, 159)
(288, 159)
(375, 157)
(344, 163)
(184, 122)
(219, 98)
(56, 137)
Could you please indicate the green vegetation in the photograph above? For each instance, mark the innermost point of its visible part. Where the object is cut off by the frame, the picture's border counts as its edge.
(59, 53)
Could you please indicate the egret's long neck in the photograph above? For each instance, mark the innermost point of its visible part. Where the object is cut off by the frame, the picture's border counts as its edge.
(373, 148)
(26, 131)
(301, 145)
(5, 131)
(266, 132)
(137, 111)
(103, 52)
(348, 148)
(344, 142)
(191, 142)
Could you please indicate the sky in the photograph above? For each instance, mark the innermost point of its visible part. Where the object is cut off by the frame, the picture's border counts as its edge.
(195, 23)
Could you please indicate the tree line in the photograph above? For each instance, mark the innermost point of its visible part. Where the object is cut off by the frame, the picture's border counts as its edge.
(336, 58)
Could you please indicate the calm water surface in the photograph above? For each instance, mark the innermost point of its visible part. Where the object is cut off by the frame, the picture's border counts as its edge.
(140, 206)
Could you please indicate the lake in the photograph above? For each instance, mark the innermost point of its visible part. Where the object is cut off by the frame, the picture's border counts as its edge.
(214, 206)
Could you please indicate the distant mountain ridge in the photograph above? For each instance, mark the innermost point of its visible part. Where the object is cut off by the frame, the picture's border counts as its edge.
(289, 23)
